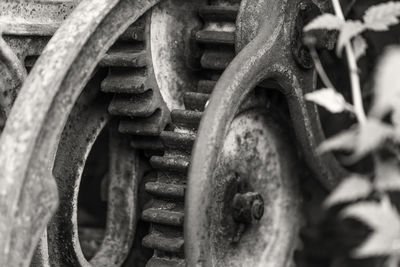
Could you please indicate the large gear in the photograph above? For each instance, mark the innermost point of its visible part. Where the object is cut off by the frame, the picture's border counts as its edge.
(166, 210)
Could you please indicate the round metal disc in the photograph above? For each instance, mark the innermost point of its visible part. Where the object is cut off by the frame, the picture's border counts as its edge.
(255, 157)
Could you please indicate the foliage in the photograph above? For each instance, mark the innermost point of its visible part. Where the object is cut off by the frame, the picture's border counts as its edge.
(373, 133)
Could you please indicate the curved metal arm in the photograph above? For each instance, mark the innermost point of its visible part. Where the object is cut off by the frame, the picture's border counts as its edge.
(28, 196)
(267, 56)
(243, 74)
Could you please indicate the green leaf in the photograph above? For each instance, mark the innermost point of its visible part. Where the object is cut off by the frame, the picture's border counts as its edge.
(387, 176)
(352, 188)
(380, 17)
(325, 22)
(359, 46)
(330, 99)
(387, 83)
(348, 31)
(384, 220)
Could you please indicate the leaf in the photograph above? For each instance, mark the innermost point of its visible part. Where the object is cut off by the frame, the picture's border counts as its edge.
(329, 99)
(384, 220)
(348, 31)
(352, 188)
(387, 83)
(361, 140)
(380, 17)
(359, 46)
(393, 261)
(343, 141)
(396, 123)
(325, 22)
(371, 136)
(387, 176)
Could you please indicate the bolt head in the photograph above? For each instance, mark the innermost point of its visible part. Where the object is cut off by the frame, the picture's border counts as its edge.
(257, 209)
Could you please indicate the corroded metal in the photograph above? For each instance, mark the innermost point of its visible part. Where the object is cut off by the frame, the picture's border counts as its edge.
(34, 18)
(185, 73)
(81, 131)
(40, 113)
(256, 156)
(166, 211)
(264, 59)
(137, 99)
(13, 74)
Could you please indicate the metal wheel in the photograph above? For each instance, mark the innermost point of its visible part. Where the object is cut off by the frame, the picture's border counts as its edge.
(237, 189)
(270, 56)
(42, 109)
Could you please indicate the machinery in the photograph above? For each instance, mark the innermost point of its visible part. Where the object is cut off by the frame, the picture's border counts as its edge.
(177, 127)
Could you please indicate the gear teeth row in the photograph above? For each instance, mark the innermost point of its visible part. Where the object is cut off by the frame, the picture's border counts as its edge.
(142, 109)
(166, 211)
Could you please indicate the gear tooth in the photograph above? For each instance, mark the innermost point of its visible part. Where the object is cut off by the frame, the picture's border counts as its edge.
(159, 262)
(179, 141)
(219, 13)
(195, 101)
(186, 118)
(217, 59)
(164, 217)
(140, 105)
(215, 37)
(150, 126)
(160, 241)
(178, 163)
(124, 58)
(125, 81)
(165, 190)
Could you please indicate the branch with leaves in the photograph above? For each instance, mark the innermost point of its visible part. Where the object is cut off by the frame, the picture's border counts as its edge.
(372, 132)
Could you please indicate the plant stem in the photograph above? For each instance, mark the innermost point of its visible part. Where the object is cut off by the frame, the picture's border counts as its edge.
(320, 69)
(354, 78)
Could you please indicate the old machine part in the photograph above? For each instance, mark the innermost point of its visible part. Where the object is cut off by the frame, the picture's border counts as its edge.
(195, 98)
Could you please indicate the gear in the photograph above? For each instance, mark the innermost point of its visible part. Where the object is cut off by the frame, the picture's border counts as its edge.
(166, 210)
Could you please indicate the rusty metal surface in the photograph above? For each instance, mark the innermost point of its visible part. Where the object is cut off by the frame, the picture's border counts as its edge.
(40, 113)
(256, 158)
(13, 74)
(86, 121)
(165, 211)
(171, 27)
(137, 98)
(35, 17)
(268, 54)
(169, 60)
(265, 53)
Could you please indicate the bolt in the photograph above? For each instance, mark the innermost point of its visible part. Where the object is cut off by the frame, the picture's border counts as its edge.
(257, 209)
(248, 207)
